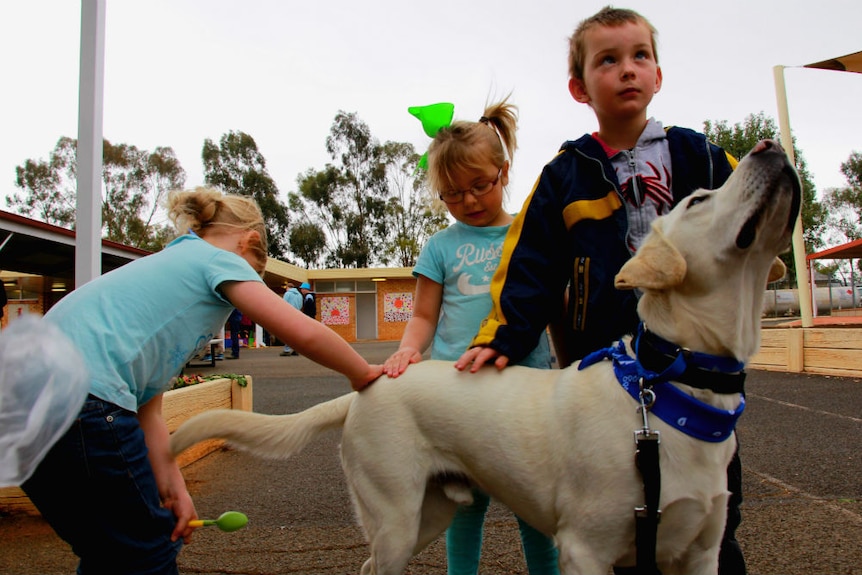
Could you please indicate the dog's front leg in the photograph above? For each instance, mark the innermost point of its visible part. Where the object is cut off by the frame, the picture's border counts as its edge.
(579, 558)
(701, 557)
(386, 559)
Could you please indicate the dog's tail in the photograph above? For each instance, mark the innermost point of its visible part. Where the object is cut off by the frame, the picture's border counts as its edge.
(273, 436)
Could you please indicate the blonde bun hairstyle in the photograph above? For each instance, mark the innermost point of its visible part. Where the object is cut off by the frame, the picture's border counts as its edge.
(206, 211)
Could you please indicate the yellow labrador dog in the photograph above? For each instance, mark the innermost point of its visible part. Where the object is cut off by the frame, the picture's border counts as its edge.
(556, 446)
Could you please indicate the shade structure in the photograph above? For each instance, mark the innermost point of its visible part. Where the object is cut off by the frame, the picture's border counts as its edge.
(850, 250)
(849, 63)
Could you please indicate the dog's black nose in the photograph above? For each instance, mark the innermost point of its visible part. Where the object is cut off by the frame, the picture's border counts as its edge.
(764, 145)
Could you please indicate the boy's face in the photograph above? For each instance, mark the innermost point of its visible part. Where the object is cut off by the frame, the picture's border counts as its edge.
(620, 72)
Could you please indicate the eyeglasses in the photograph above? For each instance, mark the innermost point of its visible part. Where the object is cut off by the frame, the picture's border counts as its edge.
(478, 190)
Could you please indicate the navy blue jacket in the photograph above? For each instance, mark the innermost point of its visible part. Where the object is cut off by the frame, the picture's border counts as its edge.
(572, 232)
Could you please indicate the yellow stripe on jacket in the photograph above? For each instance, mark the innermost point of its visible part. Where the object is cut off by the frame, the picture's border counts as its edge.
(599, 209)
(488, 327)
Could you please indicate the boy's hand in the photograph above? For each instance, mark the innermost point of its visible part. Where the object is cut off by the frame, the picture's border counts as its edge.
(477, 356)
(397, 363)
(374, 371)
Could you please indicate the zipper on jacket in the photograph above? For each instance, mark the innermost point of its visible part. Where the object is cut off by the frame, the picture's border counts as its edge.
(633, 180)
(581, 289)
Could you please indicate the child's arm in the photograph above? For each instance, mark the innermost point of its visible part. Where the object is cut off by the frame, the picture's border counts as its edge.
(529, 282)
(311, 338)
(169, 479)
(420, 329)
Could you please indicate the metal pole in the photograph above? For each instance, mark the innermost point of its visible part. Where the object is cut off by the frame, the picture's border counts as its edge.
(799, 259)
(88, 221)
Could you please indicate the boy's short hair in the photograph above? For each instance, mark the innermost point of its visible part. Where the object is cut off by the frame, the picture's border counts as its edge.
(607, 16)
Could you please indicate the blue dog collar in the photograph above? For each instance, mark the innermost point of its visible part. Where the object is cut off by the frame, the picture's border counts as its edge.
(673, 406)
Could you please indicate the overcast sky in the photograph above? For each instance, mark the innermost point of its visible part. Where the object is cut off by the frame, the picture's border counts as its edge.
(180, 71)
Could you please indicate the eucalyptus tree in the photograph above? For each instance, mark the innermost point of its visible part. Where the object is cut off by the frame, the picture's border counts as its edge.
(235, 165)
(367, 207)
(134, 185)
(346, 200)
(414, 214)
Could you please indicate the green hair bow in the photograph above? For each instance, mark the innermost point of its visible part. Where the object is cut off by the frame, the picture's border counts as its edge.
(434, 117)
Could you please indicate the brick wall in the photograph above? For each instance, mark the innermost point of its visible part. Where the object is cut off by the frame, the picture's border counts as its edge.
(391, 330)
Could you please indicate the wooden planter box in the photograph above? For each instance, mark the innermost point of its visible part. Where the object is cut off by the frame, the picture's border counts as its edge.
(178, 405)
(820, 350)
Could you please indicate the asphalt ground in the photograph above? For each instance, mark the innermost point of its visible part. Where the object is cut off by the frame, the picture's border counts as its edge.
(800, 441)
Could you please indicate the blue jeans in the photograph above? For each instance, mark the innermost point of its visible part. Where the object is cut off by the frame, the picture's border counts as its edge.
(464, 541)
(97, 490)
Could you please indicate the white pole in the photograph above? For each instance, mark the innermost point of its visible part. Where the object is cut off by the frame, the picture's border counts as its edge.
(802, 283)
(88, 222)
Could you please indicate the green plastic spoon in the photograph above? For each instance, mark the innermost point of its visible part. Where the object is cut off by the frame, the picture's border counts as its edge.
(227, 521)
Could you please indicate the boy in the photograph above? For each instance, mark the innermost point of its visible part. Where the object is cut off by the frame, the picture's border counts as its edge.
(590, 210)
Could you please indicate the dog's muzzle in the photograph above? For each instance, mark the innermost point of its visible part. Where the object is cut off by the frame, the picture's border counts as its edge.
(786, 180)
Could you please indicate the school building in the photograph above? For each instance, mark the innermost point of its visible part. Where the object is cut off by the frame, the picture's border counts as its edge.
(37, 267)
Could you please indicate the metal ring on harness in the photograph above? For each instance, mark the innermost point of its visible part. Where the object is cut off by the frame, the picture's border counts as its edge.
(647, 397)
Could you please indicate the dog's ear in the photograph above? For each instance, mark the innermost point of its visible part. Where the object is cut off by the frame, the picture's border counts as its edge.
(777, 271)
(656, 265)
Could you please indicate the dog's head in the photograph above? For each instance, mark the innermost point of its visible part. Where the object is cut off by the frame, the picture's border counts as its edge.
(704, 266)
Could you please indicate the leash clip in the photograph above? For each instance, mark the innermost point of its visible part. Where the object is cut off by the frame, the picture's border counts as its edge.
(647, 399)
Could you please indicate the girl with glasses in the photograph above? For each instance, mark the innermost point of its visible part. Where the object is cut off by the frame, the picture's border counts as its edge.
(468, 169)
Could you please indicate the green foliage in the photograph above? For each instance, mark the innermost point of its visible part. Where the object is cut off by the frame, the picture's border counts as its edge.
(844, 208)
(134, 182)
(738, 139)
(236, 166)
(365, 208)
(48, 187)
(845, 204)
(308, 243)
(413, 213)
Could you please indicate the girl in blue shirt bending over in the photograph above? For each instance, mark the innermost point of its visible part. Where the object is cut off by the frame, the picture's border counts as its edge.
(110, 486)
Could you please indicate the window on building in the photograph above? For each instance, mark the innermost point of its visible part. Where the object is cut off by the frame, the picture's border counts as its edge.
(345, 286)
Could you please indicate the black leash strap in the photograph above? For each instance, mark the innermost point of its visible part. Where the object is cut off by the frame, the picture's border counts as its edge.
(648, 516)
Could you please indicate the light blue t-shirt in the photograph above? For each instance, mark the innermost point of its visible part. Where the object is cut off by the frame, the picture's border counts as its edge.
(463, 259)
(293, 297)
(139, 324)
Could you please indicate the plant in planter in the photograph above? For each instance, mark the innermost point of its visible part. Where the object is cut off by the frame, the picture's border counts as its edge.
(187, 380)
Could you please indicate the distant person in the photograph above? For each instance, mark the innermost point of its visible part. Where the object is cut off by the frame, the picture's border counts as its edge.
(234, 322)
(3, 299)
(309, 305)
(294, 298)
(468, 168)
(110, 486)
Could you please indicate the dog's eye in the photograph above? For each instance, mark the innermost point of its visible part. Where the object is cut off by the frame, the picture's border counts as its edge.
(694, 200)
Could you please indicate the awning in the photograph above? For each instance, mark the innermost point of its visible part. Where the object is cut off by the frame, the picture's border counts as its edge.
(849, 63)
(850, 250)
(34, 247)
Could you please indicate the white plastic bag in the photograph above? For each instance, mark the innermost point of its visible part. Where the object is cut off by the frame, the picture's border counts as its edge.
(43, 384)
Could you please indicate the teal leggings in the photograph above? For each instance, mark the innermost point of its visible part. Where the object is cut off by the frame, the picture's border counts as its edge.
(464, 541)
